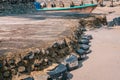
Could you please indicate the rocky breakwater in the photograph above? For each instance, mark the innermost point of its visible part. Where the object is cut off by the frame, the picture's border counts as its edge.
(39, 59)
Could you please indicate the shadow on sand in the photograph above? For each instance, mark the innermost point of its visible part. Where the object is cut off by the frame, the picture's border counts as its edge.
(42, 15)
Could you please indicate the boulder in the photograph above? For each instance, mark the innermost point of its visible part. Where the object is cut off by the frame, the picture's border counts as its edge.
(84, 41)
(21, 69)
(89, 37)
(84, 46)
(6, 74)
(80, 51)
(28, 56)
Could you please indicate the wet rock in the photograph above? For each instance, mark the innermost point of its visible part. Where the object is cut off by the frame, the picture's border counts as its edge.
(84, 46)
(74, 44)
(84, 41)
(114, 22)
(80, 51)
(59, 73)
(111, 24)
(88, 51)
(89, 37)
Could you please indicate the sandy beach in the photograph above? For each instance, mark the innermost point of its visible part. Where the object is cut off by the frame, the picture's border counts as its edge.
(41, 29)
(104, 61)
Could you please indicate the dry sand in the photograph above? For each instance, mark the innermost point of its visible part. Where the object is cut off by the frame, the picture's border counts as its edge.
(104, 61)
(21, 32)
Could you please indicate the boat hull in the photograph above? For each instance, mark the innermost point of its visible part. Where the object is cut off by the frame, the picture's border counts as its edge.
(87, 8)
(84, 10)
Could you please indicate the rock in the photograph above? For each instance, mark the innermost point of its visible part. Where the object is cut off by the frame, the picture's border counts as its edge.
(46, 60)
(89, 37)
(53, 55)
(47, 52)
(21, 69)
(21, 63)
(49, 63)
(111, 24)
(11, 62)
(6, 74)
(88, 51)
(94, 21)
(1, 65)
(14, 72)
(55, 45)
(116, 21)
(5, 68)
(84, 46)
(36, 64)
(43, 51)
(83, 41)
(62, 44)
(83, 29)
(37, 51)
(80, 51)
(29, 56)
(28, 78)
(65, 43)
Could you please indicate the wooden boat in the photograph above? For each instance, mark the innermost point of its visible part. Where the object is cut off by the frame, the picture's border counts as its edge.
(85, 8)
